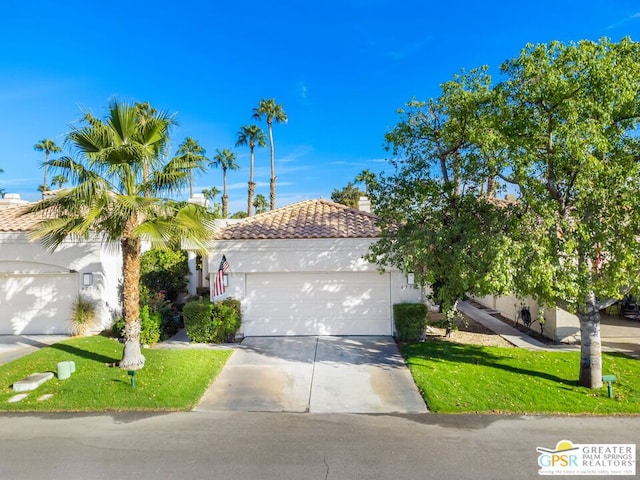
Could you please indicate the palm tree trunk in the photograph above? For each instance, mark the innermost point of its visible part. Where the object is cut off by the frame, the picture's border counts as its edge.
(132, 358)
(590, 345)
(272, 183)
(225, 198)
(44, 181)
(252, 188)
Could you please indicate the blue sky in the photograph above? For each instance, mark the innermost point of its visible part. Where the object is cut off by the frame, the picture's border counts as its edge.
(340, 68)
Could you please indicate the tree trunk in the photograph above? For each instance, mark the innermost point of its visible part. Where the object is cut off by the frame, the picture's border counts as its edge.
(252, 188)
(225, 205)
(272, 193)
(272, 183)
(132, 358)
(44, 181)
(590, 345)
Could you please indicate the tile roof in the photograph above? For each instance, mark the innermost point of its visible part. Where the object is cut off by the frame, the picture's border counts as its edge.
(12, 220)
(306, 219)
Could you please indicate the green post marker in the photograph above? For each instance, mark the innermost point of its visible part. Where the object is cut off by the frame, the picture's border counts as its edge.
(132, 374)
(609, 379)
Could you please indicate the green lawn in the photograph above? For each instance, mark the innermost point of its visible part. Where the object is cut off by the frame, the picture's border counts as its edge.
(456, 378)
(171, 379)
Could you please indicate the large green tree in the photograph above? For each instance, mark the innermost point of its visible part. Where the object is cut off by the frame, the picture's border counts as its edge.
(435, 217)
(270, 110)
(226, 160)
(567, 118)
(47, 146)
(251, 135)
(111, 199)
(561, 130)
(192, 153)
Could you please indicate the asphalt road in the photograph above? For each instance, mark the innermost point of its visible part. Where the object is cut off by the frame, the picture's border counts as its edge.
(235, 445)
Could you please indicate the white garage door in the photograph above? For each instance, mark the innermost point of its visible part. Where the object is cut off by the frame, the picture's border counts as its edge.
(317, 304)
(36, 304)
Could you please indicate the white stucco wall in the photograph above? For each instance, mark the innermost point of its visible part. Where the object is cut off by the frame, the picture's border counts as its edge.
(19, 256)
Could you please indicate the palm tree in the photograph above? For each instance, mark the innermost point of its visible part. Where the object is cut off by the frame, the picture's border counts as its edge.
(226, 160)
(47, 146)
(112, 200)
(367, 177)
(271, 111)
(59, 180)
(260, 203)
(1, 189)
(251, 135)
(210, 194)
(192, 154)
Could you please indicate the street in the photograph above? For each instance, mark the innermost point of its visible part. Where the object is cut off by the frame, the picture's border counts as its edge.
(237, 445)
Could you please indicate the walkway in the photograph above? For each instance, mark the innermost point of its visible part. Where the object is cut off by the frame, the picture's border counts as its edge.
(618, 335)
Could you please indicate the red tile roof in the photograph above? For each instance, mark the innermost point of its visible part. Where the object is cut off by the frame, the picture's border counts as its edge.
(12, 220)
(306, 219)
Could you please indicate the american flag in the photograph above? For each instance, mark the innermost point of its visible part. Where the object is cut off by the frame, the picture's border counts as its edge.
(218, 283)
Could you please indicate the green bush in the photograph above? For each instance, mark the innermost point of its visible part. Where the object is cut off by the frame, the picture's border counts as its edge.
(149, 327)
(158, 303)
(164, 271)
(198, 321)
(206, 322)
(410, 320)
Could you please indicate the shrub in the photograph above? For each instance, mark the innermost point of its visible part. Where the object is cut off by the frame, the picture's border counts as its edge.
(164, 271)
(212, 323)
(198, 320)
(83, 315)
(410, 320)
(149, 327)
(158, 304)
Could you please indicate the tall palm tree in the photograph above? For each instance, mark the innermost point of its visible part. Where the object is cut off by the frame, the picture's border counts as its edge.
(47, 146)
(226, 160)
(111, 199)
(1, 189)
(251, 135)
(271, 111)
(192, 153)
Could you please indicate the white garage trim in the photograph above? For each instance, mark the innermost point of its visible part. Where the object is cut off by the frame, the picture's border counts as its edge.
(36, 303)
(307, 303)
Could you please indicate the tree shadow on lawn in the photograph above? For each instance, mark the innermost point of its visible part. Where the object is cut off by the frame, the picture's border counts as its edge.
(475, 355)
(84, 353)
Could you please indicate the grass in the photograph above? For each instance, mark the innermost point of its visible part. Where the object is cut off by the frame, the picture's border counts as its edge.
(172, 380)
(457, 378)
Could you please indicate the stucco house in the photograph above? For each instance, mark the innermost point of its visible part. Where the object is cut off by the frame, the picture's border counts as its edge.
(299, 270)
(38, 287)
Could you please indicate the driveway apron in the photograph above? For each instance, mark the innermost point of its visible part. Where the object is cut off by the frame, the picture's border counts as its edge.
(317, 375)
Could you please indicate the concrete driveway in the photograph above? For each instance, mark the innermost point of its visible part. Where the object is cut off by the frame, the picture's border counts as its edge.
(317, 375)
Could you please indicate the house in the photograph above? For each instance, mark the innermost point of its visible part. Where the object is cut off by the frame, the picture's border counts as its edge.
(299, 270)
(38, 287)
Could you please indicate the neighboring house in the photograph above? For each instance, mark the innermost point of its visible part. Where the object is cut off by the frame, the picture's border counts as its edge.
(558, 325)
(38, 287)
(299, 270)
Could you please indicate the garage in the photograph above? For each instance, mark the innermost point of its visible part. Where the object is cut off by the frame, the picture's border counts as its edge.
(36, 303)
(330, 303)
